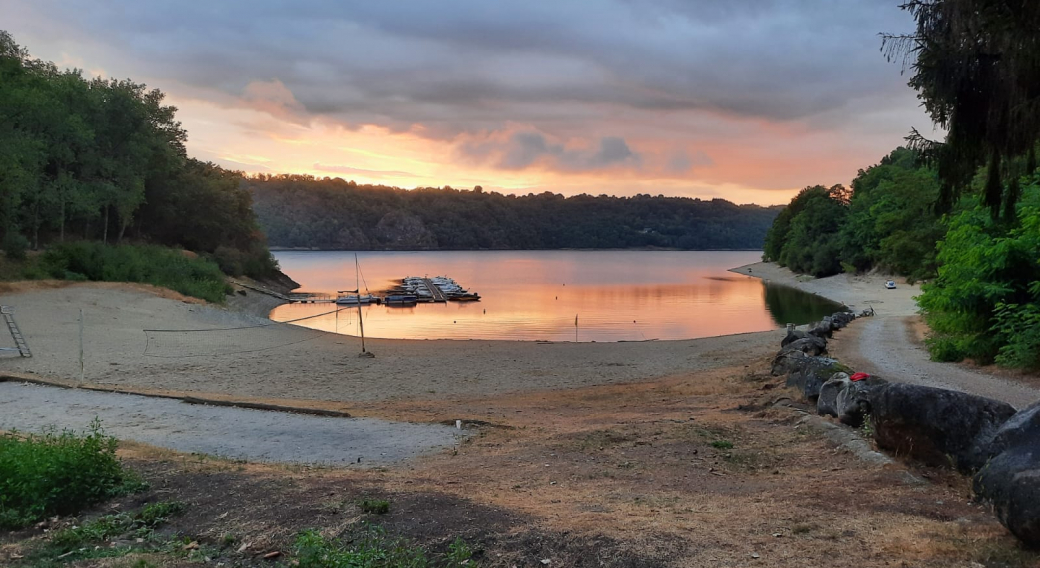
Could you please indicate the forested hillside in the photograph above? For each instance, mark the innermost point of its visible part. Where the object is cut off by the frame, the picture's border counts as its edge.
(104, 160)
(887, 221)
(302, 211)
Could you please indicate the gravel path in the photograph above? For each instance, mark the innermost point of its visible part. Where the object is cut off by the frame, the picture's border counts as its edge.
(882, 346)
(229, 432)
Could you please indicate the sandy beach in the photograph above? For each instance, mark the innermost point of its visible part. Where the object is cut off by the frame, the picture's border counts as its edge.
(279, 361)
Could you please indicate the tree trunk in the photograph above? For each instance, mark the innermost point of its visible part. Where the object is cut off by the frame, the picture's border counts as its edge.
(61, 235)
(104, 234)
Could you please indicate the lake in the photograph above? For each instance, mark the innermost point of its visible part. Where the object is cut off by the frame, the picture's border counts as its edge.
(536, 295)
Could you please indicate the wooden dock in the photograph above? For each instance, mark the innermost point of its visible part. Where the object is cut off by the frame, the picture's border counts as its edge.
(311, 298)
(436, 293)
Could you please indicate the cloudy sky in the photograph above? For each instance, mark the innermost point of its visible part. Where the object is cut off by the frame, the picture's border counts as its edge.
(748, 100)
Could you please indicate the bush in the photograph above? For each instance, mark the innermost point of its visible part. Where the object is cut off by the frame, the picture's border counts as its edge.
(58, 474)
(985, 304)
(15, 246)
(147, 264)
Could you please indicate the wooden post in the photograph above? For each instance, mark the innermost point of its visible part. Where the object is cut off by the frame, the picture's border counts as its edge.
(82, 372)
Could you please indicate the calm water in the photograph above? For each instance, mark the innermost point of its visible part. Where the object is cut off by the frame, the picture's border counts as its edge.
(535, 295)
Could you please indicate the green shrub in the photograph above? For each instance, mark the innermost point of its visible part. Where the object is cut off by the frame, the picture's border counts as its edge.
(58, 474)
(15, 246)
(147, 264)
(985, 303)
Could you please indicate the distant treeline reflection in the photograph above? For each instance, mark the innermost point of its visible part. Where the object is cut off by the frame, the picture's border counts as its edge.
(790, 305)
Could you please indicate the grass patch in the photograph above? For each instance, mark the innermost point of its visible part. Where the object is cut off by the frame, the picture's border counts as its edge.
(374, 506)
(145, 264)
(374, 549)
(139, 525)
(722, 445)
(58, 474)
(91, 539)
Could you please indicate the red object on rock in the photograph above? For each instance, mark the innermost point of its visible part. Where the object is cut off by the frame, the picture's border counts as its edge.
(859, 377)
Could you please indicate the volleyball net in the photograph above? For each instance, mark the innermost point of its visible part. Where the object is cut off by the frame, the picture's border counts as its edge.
(184, 343)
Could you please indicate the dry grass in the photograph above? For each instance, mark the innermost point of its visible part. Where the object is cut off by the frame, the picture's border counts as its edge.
(625, 475)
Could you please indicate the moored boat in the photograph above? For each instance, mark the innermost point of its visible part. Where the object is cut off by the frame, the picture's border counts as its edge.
(357, 299)
(401, 300)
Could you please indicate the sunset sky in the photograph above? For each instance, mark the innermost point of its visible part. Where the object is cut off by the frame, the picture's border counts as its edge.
(748, 100)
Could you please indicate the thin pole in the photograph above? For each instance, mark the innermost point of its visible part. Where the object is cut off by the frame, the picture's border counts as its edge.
(82, 372)
(575, 328)
(361, 323)
(357, 283)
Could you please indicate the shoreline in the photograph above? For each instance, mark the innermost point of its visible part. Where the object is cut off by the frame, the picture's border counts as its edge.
(856, 291)
(244, 354)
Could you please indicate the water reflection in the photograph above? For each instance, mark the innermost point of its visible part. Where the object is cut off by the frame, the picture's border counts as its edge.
(535, 295)
(790, 305)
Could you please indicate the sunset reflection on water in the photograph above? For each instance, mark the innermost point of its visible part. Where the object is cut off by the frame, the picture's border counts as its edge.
(535, 295)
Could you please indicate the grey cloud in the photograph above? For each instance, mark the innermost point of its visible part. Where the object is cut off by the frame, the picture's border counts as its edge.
(681, 162)
(464, 64)
(474, 69)
(523, 149)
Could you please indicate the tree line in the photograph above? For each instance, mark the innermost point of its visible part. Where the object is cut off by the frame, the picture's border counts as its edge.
(331, 213)
(104, 160)
(886, 220)
(963, 212)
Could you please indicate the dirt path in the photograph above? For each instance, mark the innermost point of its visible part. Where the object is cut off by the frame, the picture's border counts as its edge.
(229, 432)
(884, 346)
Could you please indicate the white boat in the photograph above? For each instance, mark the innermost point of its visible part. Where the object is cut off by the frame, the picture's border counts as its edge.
(357, 299)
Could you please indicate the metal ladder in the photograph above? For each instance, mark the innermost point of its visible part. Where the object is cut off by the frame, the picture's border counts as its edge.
(19, 339)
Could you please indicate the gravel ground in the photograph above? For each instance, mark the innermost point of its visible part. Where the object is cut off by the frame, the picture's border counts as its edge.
(228, 432)
(882, 346)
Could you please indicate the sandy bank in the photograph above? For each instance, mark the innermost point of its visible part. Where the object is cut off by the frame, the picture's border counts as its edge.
(278, 361)
(857, 291)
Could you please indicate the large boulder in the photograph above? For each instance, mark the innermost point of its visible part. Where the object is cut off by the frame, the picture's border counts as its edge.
(936, 426)
(827, 404)
(842, 319)
(823, 328)
(787, 361)
(847, 400)
(853, 403)
(811, 346)
(812, 373)
(1011, 483)
(792, 336)
(1022, 428)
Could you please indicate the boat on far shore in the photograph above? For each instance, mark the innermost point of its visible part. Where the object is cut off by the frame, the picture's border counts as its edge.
(357, 299)
(401, 300)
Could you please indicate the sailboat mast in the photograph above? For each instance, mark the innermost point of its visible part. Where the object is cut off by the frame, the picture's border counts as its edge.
(361, 322)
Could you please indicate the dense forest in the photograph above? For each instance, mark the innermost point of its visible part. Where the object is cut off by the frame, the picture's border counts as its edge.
(962, 213)
(103, 160)
(303, 211)
(887, 221)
